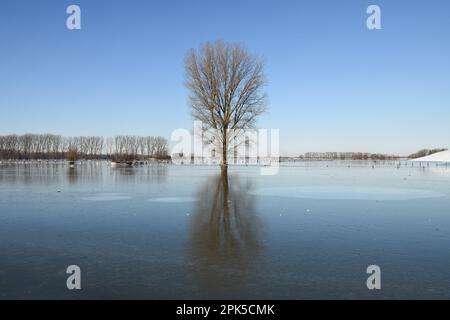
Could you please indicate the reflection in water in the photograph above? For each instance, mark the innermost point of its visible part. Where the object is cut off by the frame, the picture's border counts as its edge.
(225, 235)
(31, 173)
(72, 175)
(140, 174)
(84, 172)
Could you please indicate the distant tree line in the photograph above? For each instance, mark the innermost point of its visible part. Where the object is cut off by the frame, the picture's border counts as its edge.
(50, 146)
(129, 148)
(424, 153)
(347, 156)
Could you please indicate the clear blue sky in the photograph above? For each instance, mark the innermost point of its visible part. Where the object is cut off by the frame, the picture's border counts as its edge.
(334, 85)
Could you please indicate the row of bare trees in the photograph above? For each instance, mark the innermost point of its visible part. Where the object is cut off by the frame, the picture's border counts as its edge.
(34, 146)
(128, 148)
(50, 146)
(347, 156)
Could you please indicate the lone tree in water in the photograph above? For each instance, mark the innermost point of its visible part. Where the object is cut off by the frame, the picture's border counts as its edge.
(226, 90)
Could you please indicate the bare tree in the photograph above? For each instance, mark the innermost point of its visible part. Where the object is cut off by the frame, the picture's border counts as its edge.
(109, 146)
(226, 90)
(26, 142)
(142, 146)
(56, 145)
(150, 142)
(134, 146)
(160, 147)
(119, 144)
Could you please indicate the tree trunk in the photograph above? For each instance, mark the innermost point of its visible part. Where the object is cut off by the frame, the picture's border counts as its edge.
(226, 207)
(224, 149)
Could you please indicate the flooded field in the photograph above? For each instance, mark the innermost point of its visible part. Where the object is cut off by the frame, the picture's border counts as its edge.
(191, 232)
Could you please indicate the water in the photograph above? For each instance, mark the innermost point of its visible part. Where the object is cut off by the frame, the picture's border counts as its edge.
(185, 232)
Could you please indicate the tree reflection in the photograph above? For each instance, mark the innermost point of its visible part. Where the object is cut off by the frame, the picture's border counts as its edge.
(72, 175)
(139, 174)
(225, 234)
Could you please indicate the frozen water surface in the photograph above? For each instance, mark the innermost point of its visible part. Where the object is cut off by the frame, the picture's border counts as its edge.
(173, 199)
(348, 193)
(189, 232)
(107, 197)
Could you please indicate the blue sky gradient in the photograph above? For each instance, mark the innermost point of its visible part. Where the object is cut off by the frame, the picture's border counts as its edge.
(333, 85)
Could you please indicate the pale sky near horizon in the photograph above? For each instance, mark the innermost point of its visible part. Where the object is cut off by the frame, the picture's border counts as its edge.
(333, 85)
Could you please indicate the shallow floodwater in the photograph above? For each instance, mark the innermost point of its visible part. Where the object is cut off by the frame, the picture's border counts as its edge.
(190, 232)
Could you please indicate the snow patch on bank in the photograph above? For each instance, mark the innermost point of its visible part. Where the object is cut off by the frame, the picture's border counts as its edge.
(443, 156)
